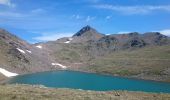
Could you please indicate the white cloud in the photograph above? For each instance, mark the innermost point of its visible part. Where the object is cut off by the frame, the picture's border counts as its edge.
(76, 17)
(89, 18)
(8, 15)
(38, 10)
(81, 17)
(134, 9)
(123, 32)
(7, 3)
(108, 17)
(11, 14)
(52, 36)
(165, 32)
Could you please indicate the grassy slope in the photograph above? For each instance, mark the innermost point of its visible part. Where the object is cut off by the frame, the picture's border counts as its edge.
(149, 62)
(26, 92)
(146, 63)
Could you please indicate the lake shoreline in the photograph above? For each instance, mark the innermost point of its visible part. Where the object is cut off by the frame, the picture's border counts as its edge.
(105, 74)
(106, 79)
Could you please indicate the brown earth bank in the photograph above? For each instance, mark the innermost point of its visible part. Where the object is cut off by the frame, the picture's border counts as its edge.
(28, 92)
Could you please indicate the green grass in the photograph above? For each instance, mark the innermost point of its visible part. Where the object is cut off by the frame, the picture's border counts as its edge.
(69, 55)
(150, 61)
(144, 63)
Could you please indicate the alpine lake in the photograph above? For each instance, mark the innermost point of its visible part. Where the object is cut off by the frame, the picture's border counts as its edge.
(89, 81)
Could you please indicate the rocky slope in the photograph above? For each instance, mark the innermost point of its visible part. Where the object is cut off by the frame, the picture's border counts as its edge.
(144, 56)
(18, 56)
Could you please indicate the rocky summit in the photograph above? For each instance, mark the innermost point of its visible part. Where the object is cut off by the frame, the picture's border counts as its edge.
(87, 33)
(143, 56)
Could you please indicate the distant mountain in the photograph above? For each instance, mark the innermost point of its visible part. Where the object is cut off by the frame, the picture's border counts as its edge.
(138, 55)
(117, 42)
(140, 40)
(156, 38)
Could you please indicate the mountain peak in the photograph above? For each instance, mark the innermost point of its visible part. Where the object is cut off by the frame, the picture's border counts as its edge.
(84, 30)
(88, 27)
(87, 33)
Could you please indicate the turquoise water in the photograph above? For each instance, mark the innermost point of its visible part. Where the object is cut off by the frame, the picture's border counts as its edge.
(88, 81)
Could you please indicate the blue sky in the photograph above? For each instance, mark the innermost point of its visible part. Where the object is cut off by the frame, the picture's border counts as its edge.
(44, 20)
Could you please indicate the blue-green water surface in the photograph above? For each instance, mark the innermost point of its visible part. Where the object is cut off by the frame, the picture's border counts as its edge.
(88, 81)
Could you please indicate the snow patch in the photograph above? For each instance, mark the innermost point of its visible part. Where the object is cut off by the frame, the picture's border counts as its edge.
(7, 73)
(29, 51)
(67, 42)
(39, 46)
(20, 50)
(57, 64)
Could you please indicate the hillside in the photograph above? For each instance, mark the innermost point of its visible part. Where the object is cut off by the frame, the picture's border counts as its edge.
(143, 56)
(18, 56)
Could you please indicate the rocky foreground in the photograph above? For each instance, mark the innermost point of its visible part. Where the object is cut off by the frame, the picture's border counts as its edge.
(27, 92)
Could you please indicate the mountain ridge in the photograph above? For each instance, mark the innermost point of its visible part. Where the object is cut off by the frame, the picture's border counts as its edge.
(85, 49)
(87, 33)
